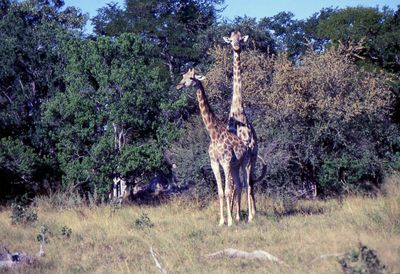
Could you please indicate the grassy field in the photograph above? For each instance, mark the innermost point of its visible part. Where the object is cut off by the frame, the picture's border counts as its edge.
(106, 239)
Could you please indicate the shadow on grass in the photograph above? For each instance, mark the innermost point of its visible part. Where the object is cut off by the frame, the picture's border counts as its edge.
(278, 213)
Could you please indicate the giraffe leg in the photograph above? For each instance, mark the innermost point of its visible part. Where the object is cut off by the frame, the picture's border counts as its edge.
(237, 191)
(228, 192)
(246, 172)
(232, 196)
(251, 182)
(252, 198)
(217, 173)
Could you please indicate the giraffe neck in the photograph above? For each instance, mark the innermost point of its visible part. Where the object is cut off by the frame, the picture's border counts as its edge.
(209, 118)
(237, 110)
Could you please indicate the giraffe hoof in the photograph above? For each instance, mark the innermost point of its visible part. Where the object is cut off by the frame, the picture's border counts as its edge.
(221, 223)
(230, 223)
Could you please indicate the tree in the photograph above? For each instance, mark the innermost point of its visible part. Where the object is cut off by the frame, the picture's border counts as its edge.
(379, 30)
(295, 36)
(30, 73)
(316, 126)
(174, 26)
(109, 123)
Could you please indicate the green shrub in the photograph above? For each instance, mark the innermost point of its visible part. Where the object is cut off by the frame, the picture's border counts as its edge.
(66, 231)
(363, 261)
(143, 222)
(22, 214)
(44, 233)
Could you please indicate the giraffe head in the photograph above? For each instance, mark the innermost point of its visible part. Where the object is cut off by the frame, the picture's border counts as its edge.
(189, 79)
(236, 40)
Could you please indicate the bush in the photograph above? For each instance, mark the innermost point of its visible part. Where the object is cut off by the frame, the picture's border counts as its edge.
(22, 214)
(66, 231)
(322, 121)
(190, 156)
(362, 260)
(44, 233)
(143, 222)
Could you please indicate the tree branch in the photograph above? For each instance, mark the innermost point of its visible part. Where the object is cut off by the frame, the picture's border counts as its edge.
(157, 262)
(235, 253)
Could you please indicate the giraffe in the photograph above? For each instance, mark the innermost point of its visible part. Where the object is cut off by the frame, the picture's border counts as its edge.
(226, 150)
(238, 123)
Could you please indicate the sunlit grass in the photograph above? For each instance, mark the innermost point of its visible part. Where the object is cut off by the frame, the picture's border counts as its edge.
(109, 240)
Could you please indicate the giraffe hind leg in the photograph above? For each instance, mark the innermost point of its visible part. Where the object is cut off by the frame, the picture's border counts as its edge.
(237, 193)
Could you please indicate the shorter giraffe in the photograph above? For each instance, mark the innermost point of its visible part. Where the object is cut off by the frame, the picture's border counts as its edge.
(226, 150)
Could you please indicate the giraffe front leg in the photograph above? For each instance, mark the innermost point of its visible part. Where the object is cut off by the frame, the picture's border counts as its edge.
(228, 193)
(217, 173)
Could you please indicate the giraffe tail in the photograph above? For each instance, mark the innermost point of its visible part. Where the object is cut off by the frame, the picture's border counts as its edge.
(263, 171)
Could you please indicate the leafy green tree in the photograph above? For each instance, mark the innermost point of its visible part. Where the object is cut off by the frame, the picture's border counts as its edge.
(30, 73)
(174, 26)
(296, 36)
(379, 31)
(110, 121)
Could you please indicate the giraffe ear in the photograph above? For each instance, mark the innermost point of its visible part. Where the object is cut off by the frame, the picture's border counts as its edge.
(244, 38)
(200, 77)
(227, 39)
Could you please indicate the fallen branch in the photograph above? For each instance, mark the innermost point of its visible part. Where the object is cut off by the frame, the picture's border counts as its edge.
(326, 256)
(158, 265)
(235, 253)
(11, 260)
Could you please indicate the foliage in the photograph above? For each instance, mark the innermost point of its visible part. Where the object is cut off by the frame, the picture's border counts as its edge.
(22, 214)
(66, 231)
(174, 26)
(190, 156)
(143, 222)
(18, 166)
(30, 73)
(43, 236)
(107, 122)
(363, 260)
(77, 111)
(330, 127)
(379, 29)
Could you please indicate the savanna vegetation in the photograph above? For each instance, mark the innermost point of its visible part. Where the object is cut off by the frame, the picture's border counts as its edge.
(353, 235)
(78, 110)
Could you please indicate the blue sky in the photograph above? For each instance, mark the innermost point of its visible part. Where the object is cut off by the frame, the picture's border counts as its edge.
(256, 8)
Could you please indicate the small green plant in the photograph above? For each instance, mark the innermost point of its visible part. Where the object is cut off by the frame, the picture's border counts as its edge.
(143, 221)
(196, 235)
(43, 236)
(115, 204)
(362, 261)
(66, 231)
(21, 214)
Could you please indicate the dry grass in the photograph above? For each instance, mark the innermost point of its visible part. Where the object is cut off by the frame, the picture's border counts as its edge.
(108, 241)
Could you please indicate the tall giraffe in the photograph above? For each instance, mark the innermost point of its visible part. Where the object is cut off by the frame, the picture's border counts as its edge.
(238, 122)
(226, 150)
